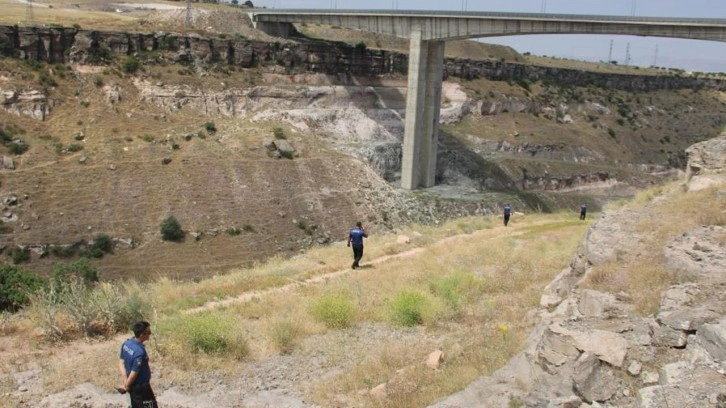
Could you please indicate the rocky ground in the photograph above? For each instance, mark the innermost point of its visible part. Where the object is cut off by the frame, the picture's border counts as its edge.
(590, 350)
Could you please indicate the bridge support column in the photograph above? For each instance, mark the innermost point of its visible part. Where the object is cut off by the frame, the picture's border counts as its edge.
(423, 105)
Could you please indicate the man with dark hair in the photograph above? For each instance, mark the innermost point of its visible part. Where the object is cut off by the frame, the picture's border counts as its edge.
(133, 364)
(507, 214)
(355, 236)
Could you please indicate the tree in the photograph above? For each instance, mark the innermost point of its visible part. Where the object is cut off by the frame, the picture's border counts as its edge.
(81, 269)
(249, 4)
(171, 229)
(15, 286)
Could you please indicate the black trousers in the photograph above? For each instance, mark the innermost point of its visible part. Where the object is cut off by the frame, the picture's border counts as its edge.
(142, 396)
(506, 219)
(357, 255)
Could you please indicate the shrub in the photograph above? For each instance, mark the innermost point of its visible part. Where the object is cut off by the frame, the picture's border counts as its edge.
(131, 64)
(456, 289)
(102, 242)
(171, 230)
(248, 228)
(17, 147)
(285, 334)
(234, 231)
(210, 128)
(18, 255)
(15, 286)
(335, 310)
(209, 334)
(81, 269)
(409, 308)
(278, 133)
(69, 308)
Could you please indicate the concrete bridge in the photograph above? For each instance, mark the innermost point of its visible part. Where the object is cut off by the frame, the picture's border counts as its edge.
(428, 31)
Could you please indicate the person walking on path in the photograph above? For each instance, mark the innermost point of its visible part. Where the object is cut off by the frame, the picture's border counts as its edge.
(583, 211)
(133, 365)
(507, 214)
(355, 237)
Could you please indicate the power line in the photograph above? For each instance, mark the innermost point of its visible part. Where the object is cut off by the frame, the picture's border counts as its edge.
(610, 53)
(189, 14)
(627, 55)
(29, 11)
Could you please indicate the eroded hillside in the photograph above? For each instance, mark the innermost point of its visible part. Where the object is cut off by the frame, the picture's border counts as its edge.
(262, 158)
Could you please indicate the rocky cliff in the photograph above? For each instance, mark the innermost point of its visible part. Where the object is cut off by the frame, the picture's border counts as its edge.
(71, 45)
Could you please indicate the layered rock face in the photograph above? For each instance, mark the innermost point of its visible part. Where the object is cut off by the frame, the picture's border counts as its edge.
(590, 349)
(71, 45)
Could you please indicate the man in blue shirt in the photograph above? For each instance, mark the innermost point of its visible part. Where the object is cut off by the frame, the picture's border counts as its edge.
(507, 214)
(134, 367)
(355, 237)
(583, 211)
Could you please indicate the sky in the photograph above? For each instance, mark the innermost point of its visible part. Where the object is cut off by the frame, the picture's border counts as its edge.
(690, 55)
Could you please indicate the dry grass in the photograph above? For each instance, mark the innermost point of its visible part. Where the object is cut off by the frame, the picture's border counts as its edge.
(643, 274)
(274, 323)
(473, 338)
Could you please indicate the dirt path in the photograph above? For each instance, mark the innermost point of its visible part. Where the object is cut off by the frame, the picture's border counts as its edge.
(248, 296)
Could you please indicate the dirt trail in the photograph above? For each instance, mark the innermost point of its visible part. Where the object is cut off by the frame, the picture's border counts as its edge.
(248, 296)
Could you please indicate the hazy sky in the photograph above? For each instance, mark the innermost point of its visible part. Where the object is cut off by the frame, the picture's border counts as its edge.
(704, 56)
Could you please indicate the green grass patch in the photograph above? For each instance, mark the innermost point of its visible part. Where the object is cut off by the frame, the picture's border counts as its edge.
(335, 310)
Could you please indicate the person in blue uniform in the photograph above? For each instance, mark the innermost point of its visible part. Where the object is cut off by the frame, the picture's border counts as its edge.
(133, 365)
(507, 214)
(355, 238)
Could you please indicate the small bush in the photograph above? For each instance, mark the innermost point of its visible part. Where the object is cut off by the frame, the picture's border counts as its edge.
(209, 334)
(409, 308)
(234, 231)
(64, 251)
(15, 286)
(248, 228)
(17, 148)
(98, 81)
(335, 310)
(278, 133)
(457, 289)
(81, 269)
(285, 335)
(103, 243)
(74, 147)
(131, 64)
(210, 128)
(18, 255)
(171, 230)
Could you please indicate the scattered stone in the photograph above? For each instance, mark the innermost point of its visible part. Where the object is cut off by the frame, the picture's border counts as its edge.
(434, 359)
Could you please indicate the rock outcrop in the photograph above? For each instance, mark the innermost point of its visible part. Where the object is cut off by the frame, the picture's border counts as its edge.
(72, 45)
(590, 349)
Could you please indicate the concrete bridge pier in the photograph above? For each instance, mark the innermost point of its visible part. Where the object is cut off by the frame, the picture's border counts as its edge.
(423, 105)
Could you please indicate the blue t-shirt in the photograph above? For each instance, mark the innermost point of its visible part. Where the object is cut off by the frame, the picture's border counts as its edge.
(135, 358)
(507, 210)
(356, 236)
(583, 208)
